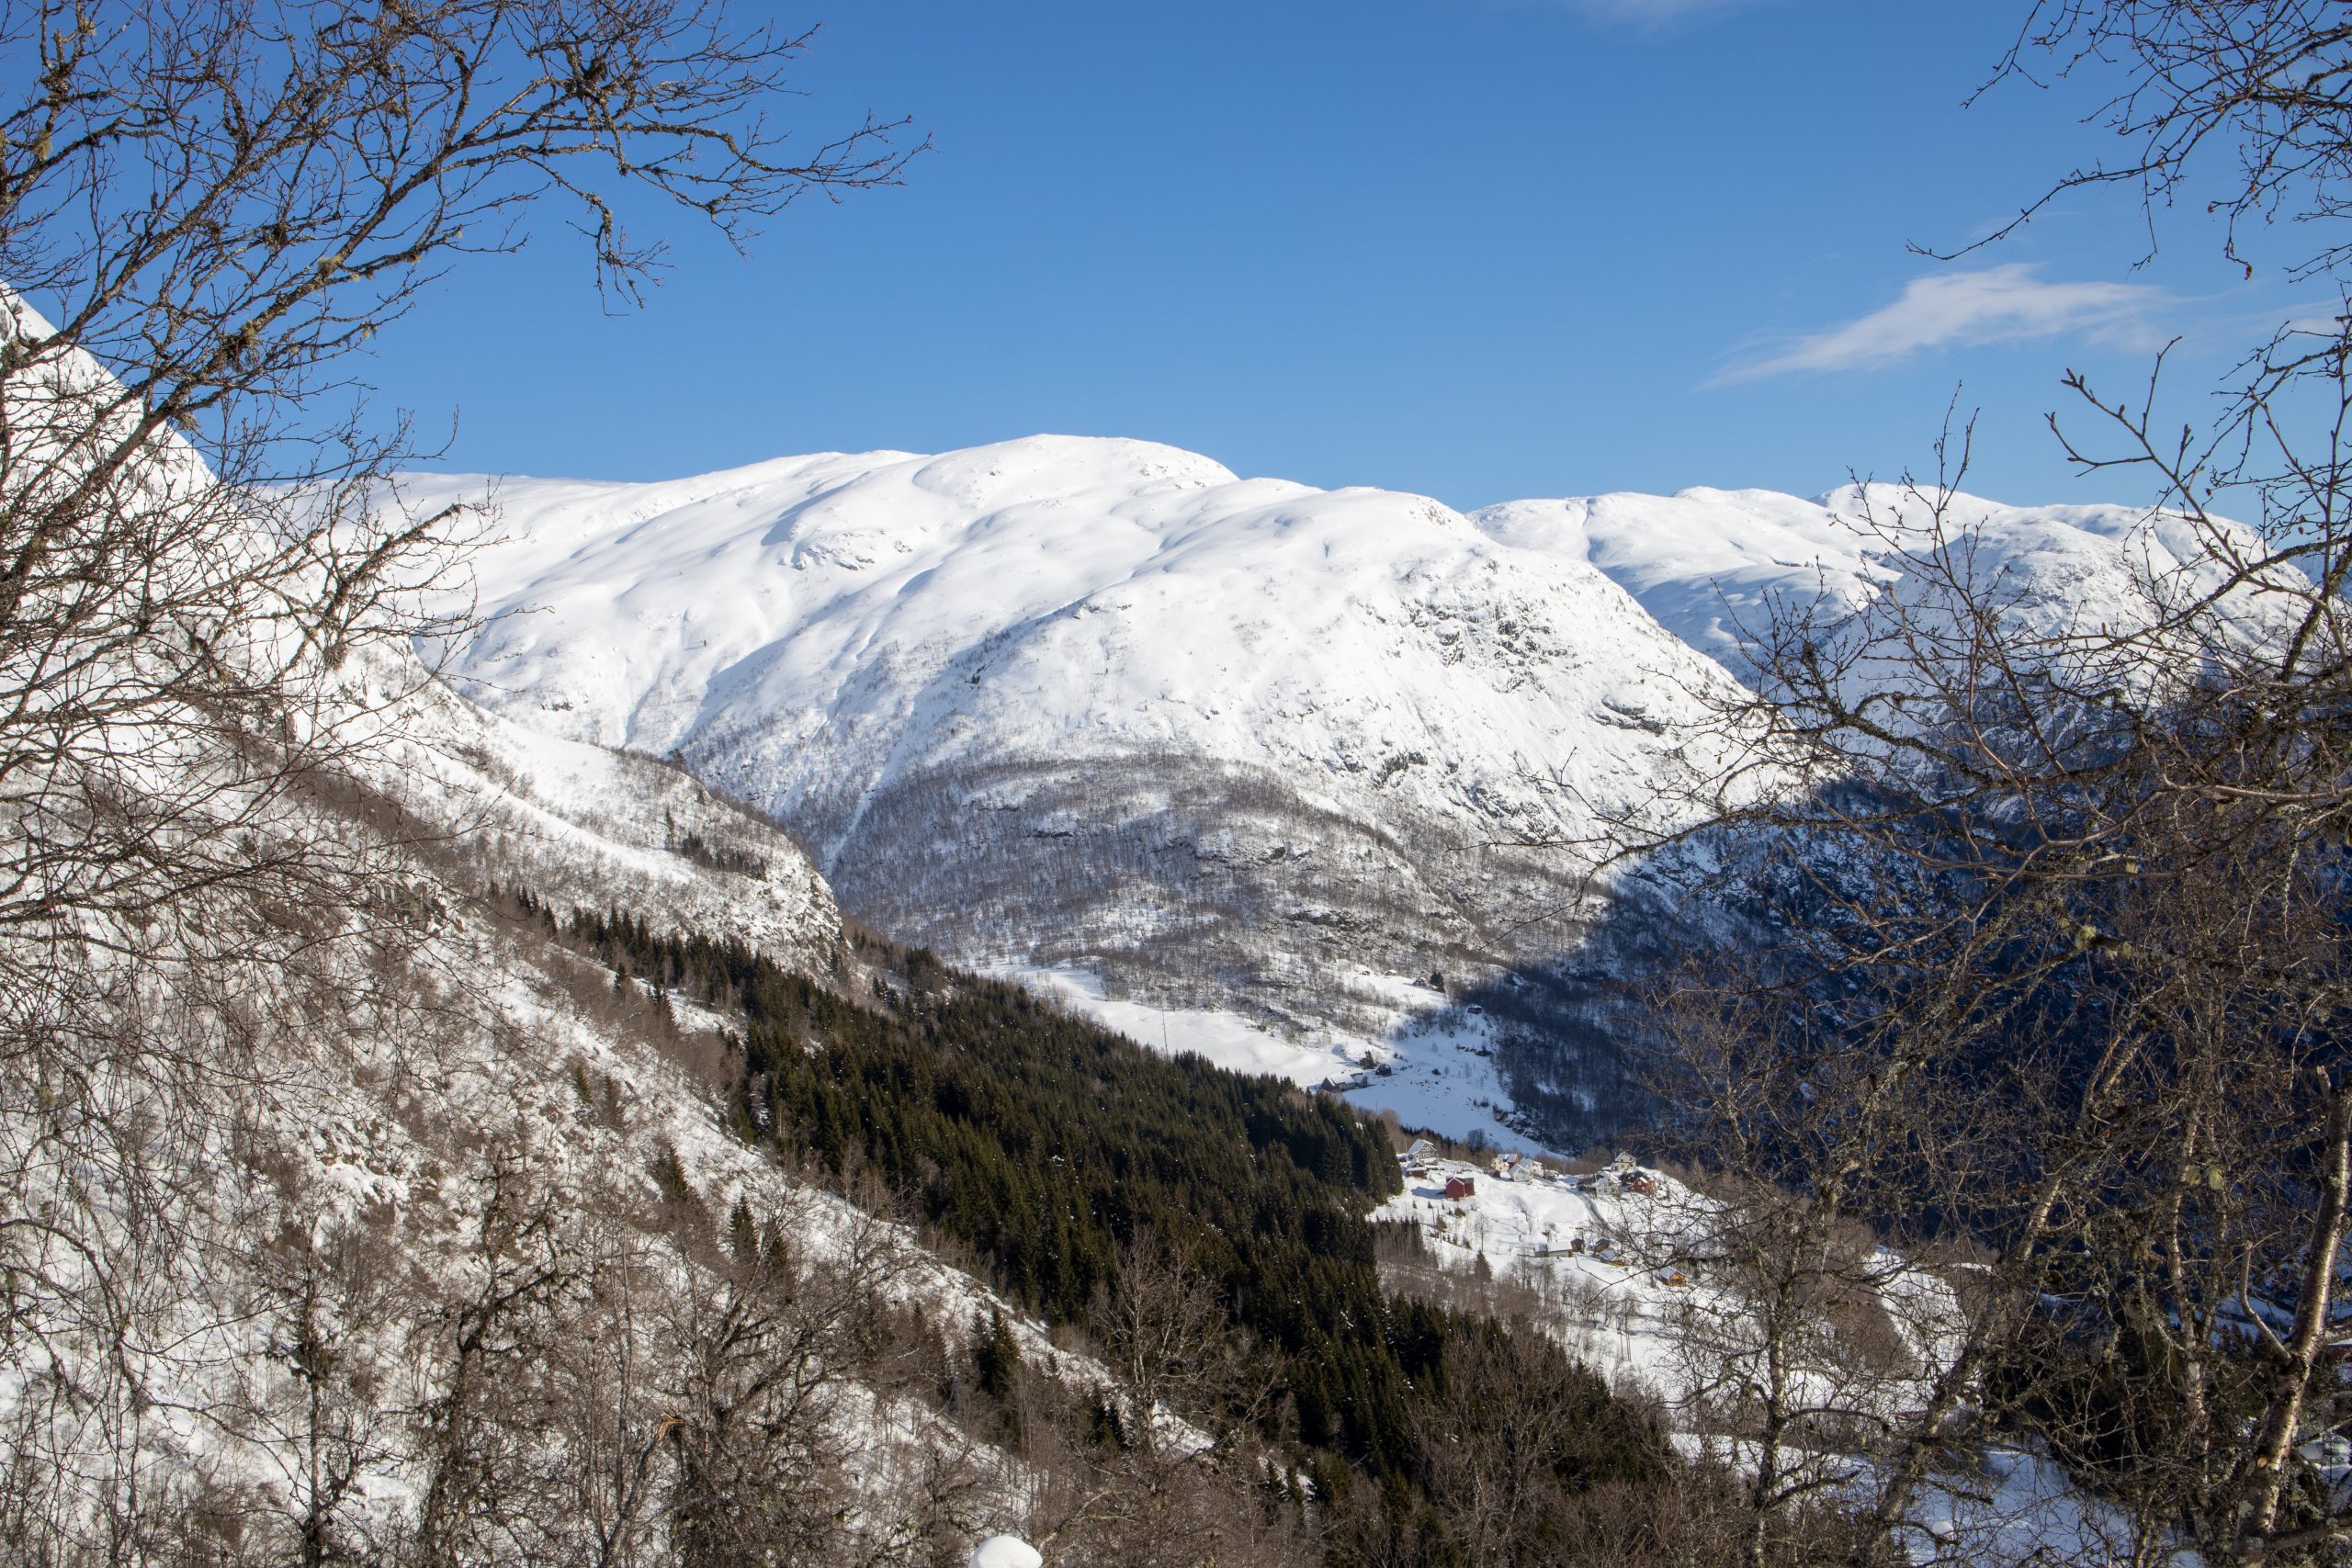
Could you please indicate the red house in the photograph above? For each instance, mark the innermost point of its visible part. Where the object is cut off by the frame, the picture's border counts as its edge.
(1459, 1187)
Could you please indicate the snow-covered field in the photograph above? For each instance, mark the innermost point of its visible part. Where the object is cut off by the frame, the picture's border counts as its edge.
(1602, 1247)
(1441, 1075)
(1634, 1262)
(1227, 1039)
(1433, 1065)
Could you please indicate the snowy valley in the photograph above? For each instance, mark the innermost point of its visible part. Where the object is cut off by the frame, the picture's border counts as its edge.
(1055, 1004)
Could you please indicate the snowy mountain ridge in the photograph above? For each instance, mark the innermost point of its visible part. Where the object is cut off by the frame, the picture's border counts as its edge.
(1223, 744)
(1709, 563)
(814, 629)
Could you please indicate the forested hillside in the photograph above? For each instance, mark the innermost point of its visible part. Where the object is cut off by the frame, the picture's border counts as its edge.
(1075, 1165)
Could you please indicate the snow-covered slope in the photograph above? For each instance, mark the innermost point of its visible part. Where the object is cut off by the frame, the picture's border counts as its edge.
(1710, 563)
(1638, 1276)
(818, 629)
(1102, 703)
(579, 825)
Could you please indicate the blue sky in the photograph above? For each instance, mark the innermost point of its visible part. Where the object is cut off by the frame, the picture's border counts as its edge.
(1481, 249)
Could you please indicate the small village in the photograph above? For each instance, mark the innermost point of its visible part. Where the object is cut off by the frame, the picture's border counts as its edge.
(1528, 1214)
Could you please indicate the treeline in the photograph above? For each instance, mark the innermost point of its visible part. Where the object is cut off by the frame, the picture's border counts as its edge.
(710, 852)
(1052, 1150)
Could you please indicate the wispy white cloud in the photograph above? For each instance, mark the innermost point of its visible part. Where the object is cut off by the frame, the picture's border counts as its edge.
(1964, 309)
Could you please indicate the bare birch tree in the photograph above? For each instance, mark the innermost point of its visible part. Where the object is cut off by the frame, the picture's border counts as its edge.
(2059, 982)
(207, 212)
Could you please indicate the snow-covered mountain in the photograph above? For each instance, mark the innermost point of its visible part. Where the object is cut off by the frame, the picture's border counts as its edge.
(1709, 564)
(528, 1172)
(1103, 705)
(1241, 747)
